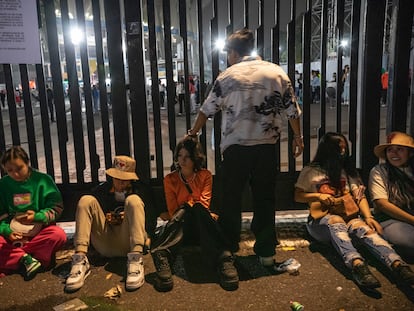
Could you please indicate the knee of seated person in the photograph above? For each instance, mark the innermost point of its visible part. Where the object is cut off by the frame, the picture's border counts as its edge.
(335, 219)
(359, 223)
(86, 201)
(134, 200)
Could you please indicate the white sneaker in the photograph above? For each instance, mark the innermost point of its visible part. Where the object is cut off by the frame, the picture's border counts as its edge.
(267, 261)
(135, 274)
(79, 272)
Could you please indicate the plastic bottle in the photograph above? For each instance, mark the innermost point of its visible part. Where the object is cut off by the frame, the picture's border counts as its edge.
(291, 265)
(296, 306)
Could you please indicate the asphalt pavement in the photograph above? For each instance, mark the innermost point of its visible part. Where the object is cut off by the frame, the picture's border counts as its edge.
(323, 283)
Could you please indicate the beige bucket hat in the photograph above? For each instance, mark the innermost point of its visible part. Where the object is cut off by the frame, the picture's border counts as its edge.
(123, 168)
(394, 138)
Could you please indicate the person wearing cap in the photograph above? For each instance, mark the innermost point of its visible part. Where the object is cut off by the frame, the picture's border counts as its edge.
(117, 218)
(253, 95)
(331, 185)
(391, 186)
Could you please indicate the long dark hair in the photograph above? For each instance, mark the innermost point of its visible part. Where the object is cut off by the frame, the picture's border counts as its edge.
(329, 157)
(195, 151)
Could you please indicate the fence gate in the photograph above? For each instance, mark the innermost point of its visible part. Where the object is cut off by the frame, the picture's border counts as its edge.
(106, 62)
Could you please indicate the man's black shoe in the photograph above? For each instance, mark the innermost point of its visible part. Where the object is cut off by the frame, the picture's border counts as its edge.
(363, 277)
(164, 280)
(229, 278)
(404, 274)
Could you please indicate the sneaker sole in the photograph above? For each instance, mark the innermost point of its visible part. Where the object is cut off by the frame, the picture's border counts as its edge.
(164, 286)
(132, 287)
(73, 288)
(230, 286)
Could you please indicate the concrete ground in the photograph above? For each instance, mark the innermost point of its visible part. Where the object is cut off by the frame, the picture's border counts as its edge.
(323, 283)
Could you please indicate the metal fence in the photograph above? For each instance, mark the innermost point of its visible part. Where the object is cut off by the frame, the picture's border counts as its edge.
(131, 47)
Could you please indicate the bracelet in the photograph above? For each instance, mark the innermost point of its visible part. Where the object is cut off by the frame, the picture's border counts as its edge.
(298, 136)
(192, 135)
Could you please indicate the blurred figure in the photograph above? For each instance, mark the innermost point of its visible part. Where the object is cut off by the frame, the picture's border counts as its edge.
(384, 87)
(49, 95)
(3, 98)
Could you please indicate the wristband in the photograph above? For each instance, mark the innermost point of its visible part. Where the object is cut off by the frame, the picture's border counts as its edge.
(189, 133)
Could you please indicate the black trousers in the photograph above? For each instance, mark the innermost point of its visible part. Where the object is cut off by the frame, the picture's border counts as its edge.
(255, 166)
(192, 225)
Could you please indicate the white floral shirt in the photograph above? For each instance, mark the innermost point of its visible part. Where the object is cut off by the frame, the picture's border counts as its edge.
(252, 95)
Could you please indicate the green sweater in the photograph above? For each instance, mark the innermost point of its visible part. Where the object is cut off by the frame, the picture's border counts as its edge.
(38, 193)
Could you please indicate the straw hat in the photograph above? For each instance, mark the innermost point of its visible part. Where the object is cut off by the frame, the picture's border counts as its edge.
(123, 168)
(394, 138)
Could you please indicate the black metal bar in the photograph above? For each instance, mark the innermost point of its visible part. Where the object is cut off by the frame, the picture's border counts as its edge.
(339, 12)
(182, 8)
(371, 67)
(28, 112)
(171, 89)
(275, 33)
(400, 50)
(260, 30)
(306, 88)
(11, 102)
(215, 59)
(154, 88)
(137, 93)
(58, 96)
(202, 85)
(90, 123)
(324, 53)
(103, 96)
(116, 69)
(353, 88)
(291, 37)
(47, 137)
(74, 91)
(246, 13)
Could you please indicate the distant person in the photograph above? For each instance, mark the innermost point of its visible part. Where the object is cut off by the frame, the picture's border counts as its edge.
(161, 87)
(3, 98)
(340, 213)
(50, 102)
(180, 91)
(188, 192)
(30, 204)
(316, 87)
(253, 95)
(384, 87)
(18, 97)
(95, 98)
(117, 217)
(391, 187)
(346, 76)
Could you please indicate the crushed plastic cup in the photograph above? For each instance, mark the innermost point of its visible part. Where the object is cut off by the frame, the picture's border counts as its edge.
(290, 265)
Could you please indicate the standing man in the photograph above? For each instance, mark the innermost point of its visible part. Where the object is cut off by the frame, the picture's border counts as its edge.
(49, 95)
(253, 94)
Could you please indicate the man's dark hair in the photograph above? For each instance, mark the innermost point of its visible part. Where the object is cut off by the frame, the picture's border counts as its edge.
(242, 41)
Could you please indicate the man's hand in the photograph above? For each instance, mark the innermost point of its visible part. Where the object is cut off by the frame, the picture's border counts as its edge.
(297, 146)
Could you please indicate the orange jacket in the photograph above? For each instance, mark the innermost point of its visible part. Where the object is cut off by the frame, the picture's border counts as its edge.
(177, 194)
